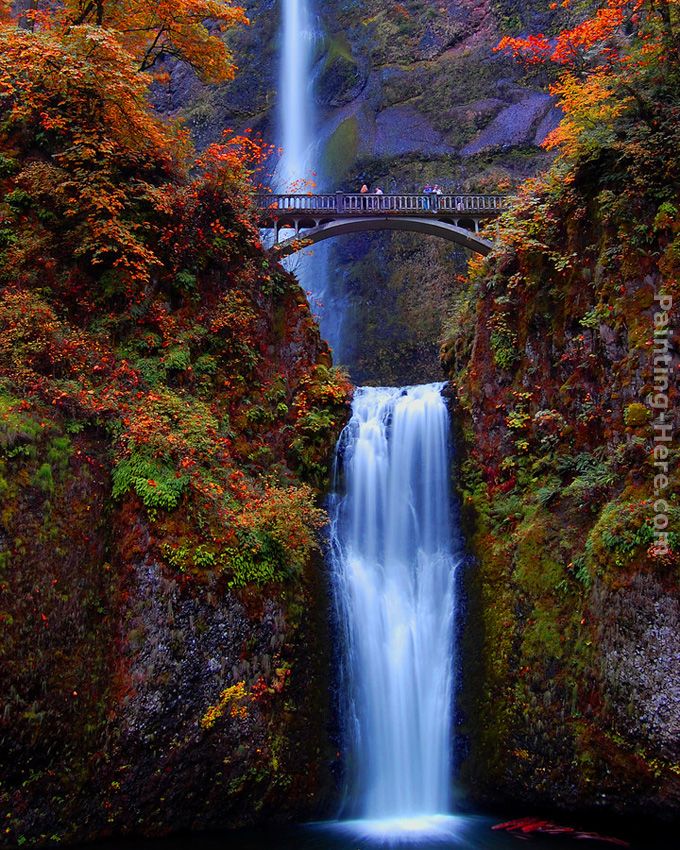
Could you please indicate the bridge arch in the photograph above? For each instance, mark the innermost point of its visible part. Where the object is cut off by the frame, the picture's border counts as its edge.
(307, 236)
(314, 218)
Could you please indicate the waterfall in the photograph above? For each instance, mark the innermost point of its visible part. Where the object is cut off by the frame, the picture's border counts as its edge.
(393, 546)
(300, 158)
(394, 551)
(296, 112)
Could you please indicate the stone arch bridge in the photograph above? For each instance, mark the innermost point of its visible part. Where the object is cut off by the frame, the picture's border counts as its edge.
(314, 218)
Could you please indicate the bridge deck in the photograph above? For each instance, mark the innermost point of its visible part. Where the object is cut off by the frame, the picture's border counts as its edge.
(349, 205)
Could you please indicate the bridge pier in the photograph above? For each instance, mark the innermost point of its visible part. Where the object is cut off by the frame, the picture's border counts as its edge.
(472, 224)
(298, 225)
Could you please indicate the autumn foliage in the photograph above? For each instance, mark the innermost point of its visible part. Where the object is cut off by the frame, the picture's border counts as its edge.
(188, 30)
(74, 98)
(135, 296)
(589, 42)
(162, 387)
(620, 59)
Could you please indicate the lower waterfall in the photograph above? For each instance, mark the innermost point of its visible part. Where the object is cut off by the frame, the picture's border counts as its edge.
(394, 552)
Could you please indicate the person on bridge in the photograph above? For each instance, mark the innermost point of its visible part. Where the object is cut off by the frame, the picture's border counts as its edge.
(364, 200)
(379, 191)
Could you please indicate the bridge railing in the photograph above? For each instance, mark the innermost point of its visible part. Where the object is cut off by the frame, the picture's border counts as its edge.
(294, 203)
(473, 203)
(361, 204)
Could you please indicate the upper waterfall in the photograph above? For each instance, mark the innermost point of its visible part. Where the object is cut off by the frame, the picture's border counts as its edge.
(296, 104)
(299, 166)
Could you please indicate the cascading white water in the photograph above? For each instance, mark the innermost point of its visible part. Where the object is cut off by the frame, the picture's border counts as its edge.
(394, 552)
(295, 102)
(299, 165)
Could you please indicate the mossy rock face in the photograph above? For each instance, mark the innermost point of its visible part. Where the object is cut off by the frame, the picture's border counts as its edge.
(341, 78)
(536, 571)
(574, 607)
(341, 149)
(131, 598)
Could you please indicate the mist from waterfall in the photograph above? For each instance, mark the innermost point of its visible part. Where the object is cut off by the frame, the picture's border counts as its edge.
(394, 553)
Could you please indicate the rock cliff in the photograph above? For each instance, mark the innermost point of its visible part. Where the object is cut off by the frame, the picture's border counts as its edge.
(563, 352)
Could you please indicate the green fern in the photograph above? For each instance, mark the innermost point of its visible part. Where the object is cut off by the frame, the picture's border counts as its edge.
(158, 485)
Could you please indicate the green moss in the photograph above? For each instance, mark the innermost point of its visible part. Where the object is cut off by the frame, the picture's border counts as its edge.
(448, 81)
(44, 478)
(543, 638)
(339, 74)
(636, 415)
(59, 453)
(537, 571)
(18, 428)
(341, 150)
(492, 604)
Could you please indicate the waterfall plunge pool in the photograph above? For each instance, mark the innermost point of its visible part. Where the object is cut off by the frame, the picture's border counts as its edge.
(464, 832)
